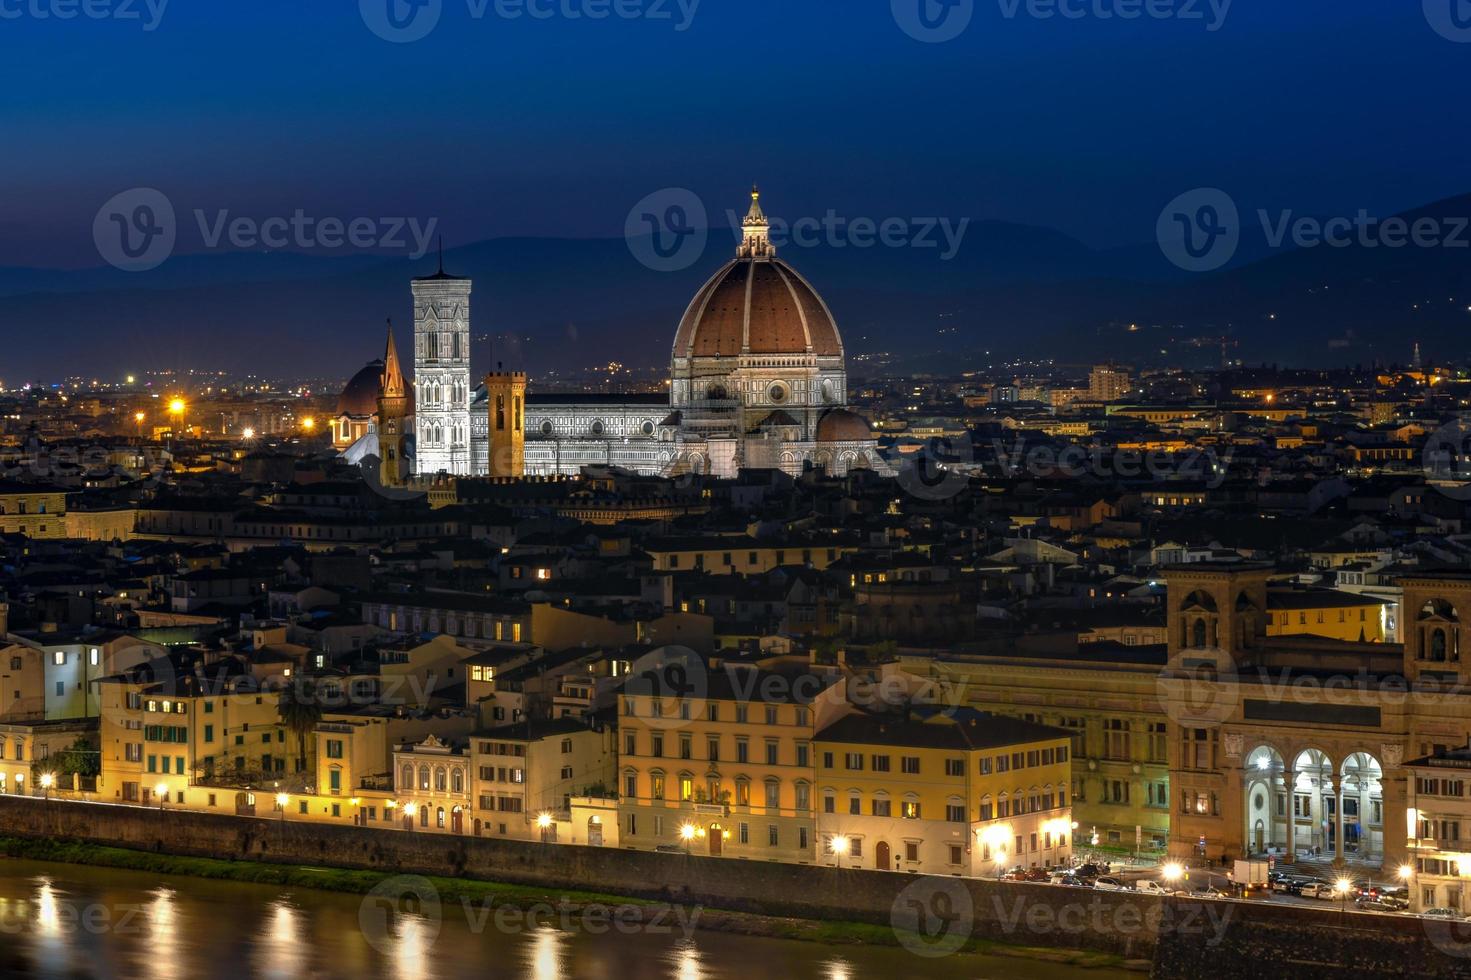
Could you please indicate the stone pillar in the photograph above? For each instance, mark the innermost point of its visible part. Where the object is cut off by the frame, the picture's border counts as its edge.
(1338, 816)
(1289, 783)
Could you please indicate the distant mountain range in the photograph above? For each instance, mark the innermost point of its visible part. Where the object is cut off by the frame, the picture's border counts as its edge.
(564, 303)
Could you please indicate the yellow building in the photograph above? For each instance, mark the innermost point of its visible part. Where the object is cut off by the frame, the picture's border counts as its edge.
(525, 776)
(943, 792)
(741, 555)
(1326, 612)
(725, 769)
(32, 510)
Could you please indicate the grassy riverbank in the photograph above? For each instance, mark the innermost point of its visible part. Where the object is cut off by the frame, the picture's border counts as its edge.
(495, 894)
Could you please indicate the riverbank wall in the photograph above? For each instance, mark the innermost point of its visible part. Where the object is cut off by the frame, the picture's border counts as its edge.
(930, 915)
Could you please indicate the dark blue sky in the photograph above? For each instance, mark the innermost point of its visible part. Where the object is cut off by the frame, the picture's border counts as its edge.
(556, 127)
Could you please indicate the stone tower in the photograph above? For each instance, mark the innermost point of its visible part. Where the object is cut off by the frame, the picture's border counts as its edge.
(393, 419)
(506, 402)
(442, 373)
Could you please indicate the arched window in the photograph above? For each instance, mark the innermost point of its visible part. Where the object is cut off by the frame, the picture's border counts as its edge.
(1198, 634)
(424, 778)
(406, 782)
(1437, 645)
(441, 780)
(457, 781)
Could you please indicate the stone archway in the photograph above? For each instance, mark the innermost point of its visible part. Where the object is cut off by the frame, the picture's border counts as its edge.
(1361, 809)
(1266, 805)
(1314, 804)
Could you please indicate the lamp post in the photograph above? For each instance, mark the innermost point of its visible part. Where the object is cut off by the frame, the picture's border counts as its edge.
(47, 781)
(544, 823)
(687, 833)
(162, 792)
(409, 810)
(1172, 874)
(1343, 886)
(281, 800)
(841, 846)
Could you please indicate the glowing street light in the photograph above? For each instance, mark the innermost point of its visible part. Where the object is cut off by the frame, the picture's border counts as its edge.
(162, 792)
(841, 846)
(308, 423)
(249, 434)
(1343, 886)
(1406, 872)
(544, 824)
(687, 834)
(48, 780)
(281, 800)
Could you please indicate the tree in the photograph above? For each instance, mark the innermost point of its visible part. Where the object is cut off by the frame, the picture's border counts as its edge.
(300, 710)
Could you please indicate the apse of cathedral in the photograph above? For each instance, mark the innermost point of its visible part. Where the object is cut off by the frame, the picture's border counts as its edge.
(757, 380)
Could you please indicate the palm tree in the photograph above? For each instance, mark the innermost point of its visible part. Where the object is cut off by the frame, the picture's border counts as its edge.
(300, 710)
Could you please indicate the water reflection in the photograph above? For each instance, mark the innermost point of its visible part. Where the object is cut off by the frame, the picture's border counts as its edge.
(545, 956)
(280, 952)
(687, 961)
(67, 922)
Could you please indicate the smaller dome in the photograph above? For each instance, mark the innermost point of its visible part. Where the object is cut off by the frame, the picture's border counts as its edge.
(841, 425)
(360, 396)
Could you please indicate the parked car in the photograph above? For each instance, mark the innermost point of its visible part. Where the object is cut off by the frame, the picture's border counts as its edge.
(1382, 904)
(1090, 870)
(1065, 878)
(1320, 889)
(1035, 874)
(1153, 888)
(1015, 874)
(1441, 914)
(1107, 884)
(1394, 903)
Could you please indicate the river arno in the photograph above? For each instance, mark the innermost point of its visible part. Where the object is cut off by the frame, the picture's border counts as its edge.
(67, 921)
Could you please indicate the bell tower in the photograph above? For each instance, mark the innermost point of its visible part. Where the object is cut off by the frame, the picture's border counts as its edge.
(505, 400)
(393, 419)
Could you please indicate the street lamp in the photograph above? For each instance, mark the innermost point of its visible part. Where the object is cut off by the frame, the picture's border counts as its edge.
(48, 780)
(1344, 886)
(409, 810)
(841, 846)
(162, 792)
(309, 424)
(1173, 872)
(687, 833)
(544, 823)
(281, 800)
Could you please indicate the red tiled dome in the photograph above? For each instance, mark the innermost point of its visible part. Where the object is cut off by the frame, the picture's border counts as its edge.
(757, 306)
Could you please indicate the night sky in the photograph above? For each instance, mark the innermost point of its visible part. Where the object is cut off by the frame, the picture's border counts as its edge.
(555, 127)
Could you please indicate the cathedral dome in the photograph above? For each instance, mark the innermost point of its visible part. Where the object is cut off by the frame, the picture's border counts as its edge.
(841, 425)
(757, 304)
(360, 396)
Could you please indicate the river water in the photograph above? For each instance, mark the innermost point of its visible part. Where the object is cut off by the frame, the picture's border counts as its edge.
(67, 921)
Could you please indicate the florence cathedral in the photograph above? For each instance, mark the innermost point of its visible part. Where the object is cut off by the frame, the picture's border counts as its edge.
(757, 380)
